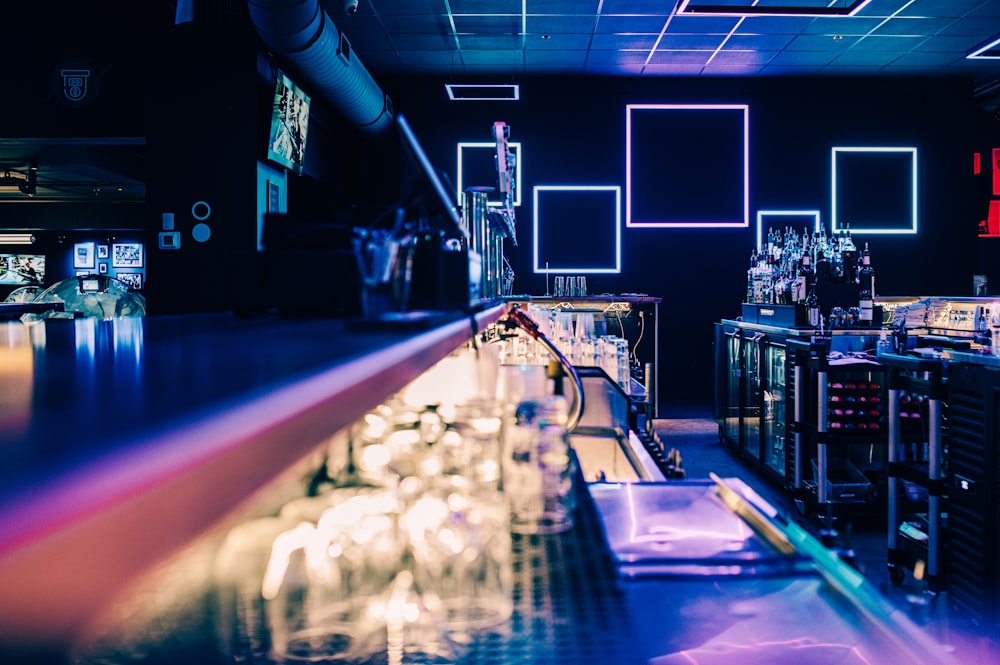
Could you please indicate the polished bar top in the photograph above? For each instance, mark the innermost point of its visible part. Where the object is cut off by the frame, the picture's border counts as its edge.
(121, 440)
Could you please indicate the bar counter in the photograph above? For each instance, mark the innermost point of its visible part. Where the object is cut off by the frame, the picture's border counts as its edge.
(141, 442)
(123, 440)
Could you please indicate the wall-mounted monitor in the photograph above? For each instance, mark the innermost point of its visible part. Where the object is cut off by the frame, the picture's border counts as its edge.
(22, 268)
(286, 144)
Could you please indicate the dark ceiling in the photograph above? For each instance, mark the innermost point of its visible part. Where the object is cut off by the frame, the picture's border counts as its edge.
(498, 41)
(665, 38)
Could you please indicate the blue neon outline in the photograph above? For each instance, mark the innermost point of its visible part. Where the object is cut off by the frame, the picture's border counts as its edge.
(515, 148)
(537, 269)
(746, 167)
(784, 213)
(913, 190)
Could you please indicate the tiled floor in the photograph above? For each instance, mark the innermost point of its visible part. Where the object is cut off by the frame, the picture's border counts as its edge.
(690, 429)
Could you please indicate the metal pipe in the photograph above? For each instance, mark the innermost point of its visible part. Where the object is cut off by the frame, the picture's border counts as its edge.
(306, 40)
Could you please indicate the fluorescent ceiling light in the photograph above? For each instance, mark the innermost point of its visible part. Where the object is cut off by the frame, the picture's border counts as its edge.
(988, 50)
(483, 92)
(792, 8)
(17, 238)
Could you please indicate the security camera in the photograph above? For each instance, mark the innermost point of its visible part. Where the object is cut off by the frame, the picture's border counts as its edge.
(350, 7)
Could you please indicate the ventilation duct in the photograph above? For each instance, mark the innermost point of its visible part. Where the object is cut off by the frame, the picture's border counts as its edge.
(304, 37)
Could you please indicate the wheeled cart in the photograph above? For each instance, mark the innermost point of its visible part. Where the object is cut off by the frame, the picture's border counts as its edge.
(839, 431)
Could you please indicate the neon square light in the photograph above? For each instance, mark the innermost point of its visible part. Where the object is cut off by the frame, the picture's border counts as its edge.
(562, 233)
(812, 215)
(479, 164)
(687, 165)
(874, 190)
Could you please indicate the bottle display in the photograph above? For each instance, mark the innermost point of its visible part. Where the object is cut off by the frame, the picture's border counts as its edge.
(794, 268)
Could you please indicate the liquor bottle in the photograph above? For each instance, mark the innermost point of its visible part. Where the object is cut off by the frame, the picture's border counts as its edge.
(866, 288)
(804, 280)
(824, 272)
(812, 307)
(850, 257)
(836, 257)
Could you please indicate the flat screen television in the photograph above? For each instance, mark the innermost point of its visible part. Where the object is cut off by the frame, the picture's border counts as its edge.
(22, 268)
(286, 143)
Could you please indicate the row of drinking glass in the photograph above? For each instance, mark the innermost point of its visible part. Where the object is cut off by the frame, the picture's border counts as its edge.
(407, 551)
(570, 286)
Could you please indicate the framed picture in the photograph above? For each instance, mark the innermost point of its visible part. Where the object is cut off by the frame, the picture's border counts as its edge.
(82, 273)
(102, 267)
(126, 255)
(102, 251)
(83, 255)
(133, 279)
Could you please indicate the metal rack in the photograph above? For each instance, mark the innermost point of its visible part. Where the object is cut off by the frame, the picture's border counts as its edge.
(922, 376)
(812, 427)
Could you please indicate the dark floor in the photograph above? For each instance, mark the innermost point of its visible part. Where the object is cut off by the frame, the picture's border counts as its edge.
(690, 428)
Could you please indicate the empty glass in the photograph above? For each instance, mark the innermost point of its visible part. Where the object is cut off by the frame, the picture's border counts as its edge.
(559, 287)
(538, 473)
(325, 584)
(461, 549)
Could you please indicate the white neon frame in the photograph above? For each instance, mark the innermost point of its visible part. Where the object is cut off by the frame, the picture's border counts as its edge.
(761, 214)
(745, 108)
(834, 227)
(537, 268)
(515, 149)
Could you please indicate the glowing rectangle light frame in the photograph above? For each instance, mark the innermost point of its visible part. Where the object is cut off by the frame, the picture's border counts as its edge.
(539, 269)
(483, 92)
(746, 166)
(515, 150)
(834, 227)
(761, 214)
(988, 50)
(689, 8)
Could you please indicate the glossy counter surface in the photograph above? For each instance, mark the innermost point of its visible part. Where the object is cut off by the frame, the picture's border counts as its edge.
(122, 440)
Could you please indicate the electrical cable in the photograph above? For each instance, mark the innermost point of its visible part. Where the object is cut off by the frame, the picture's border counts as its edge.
(526, 323)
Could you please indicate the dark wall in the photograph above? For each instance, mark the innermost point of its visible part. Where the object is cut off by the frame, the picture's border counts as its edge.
(201, 118)
(573, 132)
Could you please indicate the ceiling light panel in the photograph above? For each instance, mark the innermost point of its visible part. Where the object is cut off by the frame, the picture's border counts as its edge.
(818, 8)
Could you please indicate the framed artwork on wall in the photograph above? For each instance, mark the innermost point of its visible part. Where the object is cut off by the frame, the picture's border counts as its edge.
(83, 255)
(102, 251)
(102, 267)
(133, 279)
(126, 255)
